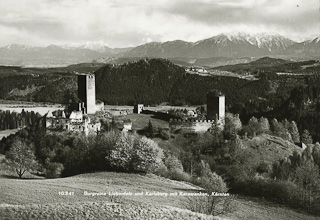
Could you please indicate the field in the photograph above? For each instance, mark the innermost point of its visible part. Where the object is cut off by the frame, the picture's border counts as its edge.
(36, 198)
(42, 109)
(6, 133)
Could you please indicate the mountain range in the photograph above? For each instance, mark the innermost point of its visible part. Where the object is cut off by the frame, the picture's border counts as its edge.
(240, 47)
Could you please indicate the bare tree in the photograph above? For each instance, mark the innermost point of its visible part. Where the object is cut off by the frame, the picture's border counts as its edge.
(21, 156)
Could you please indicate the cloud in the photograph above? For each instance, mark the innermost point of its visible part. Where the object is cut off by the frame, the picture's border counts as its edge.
(123, 23)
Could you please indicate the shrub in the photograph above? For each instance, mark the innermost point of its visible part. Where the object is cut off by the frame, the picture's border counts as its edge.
(179, 175)
(54, 170)
(263, 167)
(173, 163)
(164, 134)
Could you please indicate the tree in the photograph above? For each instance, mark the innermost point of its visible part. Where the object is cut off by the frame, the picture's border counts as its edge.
(232, 125)
(150, 131)
(308, 177)
(21, 156)
(121, 156)
(253, 127)
(147, 156)
(306, 137)
(316, 154)
(293, 130)
(132, 153)
(210, 204)
(265, 126)
(71, 100)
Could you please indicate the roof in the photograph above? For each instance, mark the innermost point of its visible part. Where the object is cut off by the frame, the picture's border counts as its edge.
(76, 115)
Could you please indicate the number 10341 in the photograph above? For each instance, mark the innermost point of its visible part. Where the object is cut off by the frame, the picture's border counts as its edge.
(66, 193)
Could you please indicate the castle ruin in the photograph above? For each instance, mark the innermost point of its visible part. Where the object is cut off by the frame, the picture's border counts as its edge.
(79, 119)
(216, 111)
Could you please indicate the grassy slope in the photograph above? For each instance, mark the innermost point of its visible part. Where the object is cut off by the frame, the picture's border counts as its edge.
(39, 198)
(268, 148)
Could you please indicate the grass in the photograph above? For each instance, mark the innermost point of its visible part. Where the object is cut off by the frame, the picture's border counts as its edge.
(40, 199)
(5, 133)
(141, 121)
(268, 148)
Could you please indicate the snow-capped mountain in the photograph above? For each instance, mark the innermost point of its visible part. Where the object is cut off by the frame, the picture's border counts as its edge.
(229, 46)
(99, 46)
(19, 47)
(222, 45)
(270, 42)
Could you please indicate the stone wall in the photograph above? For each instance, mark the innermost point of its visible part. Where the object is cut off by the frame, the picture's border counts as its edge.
(190, 126)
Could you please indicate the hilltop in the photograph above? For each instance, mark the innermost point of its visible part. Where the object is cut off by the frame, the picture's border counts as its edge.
(271, 65)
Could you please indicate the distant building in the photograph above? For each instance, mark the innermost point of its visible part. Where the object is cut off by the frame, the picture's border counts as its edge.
(216, 108)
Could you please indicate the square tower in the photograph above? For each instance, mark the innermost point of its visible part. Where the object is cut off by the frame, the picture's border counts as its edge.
(138, 108)
(87, 92)
(216, 108)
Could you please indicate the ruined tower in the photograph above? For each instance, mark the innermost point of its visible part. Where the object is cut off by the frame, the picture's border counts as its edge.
(87, 92)
(216, 107)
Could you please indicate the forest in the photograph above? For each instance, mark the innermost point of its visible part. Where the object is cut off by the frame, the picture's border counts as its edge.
(156, 81)
(13, 120)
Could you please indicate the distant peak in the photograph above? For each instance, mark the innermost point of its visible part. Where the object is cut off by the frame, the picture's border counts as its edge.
(99, 45)
(18, 46)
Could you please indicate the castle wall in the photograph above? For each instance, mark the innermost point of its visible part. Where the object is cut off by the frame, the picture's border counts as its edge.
(195, 126)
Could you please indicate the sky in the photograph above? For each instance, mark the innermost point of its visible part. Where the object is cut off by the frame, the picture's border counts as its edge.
(125, 23)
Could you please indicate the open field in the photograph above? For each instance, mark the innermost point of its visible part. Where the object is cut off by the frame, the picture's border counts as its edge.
(39, 199)
(6, 133)
(42, 110)
(141, 121)
(17, 106)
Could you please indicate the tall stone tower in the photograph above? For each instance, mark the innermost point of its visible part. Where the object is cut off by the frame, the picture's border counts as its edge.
(216, 106)
(87, 92)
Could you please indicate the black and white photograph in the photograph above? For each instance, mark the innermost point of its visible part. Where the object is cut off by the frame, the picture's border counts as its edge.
(160, 109)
